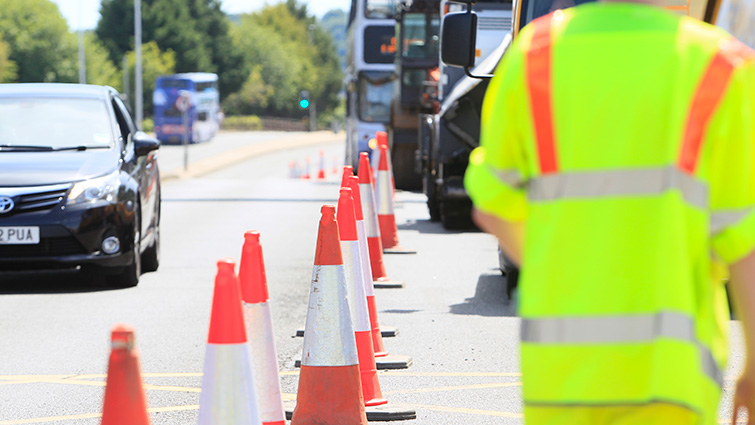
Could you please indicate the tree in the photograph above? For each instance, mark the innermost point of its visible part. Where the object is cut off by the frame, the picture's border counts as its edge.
(154, 64)
(195, 30)
(293, 54)
(7, 66)
(100, 70)
(40, 44)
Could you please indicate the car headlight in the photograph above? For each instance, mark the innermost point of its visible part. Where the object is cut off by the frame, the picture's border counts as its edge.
(101, 188)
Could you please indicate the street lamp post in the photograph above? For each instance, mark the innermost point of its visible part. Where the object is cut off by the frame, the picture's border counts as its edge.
(138, 91)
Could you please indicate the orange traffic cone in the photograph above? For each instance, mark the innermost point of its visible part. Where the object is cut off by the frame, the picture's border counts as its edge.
(382, 139)
(369, 291)
(306, 175)
(330, 390)
(347, 226)
(228, 391)
(321, 172)
(386, 218)
(125, 403)
(259, 327)
(374, 243)
(335, 164)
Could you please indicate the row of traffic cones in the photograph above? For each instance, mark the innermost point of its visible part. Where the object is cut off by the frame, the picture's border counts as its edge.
(298, 170)
(241, 385)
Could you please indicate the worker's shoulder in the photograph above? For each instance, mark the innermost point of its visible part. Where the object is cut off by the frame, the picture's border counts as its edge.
(701, 36)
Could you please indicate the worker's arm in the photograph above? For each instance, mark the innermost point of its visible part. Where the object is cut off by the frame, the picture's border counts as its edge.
(742, 287)
(510, 234)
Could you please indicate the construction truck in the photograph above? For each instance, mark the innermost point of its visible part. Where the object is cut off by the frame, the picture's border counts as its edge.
(448, 134)
(447, 138)
(417, 56)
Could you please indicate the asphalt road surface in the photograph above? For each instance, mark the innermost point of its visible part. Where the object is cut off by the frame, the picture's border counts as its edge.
(453, 316)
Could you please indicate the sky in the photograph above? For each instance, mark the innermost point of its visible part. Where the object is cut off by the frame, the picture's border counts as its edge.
(83, 14)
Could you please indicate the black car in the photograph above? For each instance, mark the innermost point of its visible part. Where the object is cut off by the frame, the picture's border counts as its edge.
(79, 185)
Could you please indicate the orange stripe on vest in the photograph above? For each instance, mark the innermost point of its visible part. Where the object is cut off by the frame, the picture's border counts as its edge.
(539, 68)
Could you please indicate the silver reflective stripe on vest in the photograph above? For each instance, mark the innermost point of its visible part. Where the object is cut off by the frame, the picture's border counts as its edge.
(619, 330)
(634, 182)
(510, 177)
(720, 220)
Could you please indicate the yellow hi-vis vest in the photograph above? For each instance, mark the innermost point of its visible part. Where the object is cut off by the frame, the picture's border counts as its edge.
(623, 135)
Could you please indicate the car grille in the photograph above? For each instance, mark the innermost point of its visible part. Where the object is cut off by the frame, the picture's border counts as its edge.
(494, 24)
(66, 245)
(40, 200)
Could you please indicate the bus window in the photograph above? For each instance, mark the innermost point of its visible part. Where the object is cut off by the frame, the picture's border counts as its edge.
(375, 91)
(415, 43)
(379, 44)
(169, 83)
(380, 9)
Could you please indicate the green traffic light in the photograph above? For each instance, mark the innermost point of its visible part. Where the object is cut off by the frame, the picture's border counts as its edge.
(304, 103)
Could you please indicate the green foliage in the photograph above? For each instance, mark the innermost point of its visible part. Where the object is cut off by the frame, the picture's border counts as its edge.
(154, 64)
(40, 44)
(99, 68)
(195, 30)
(292, 53)
(7, 66)
(148, 125)
(242, 123)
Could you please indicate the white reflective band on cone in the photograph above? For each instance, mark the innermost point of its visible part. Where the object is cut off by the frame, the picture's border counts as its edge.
(384, 193)
(364, 254)
(368, 208)
(329, 336)
(374, 162)
(228, 395)
(259, 329)
(619, 329)
(352, 263)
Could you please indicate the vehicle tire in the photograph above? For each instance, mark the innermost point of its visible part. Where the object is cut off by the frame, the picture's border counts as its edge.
(431, 191)
(151, 255)
(129, 276)
(456, 215)
(402, 157)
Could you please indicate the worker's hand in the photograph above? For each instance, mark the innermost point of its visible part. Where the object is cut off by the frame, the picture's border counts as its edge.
(744, 397)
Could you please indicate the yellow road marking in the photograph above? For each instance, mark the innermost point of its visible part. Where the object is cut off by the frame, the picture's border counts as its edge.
(454, 388)
(453, 374)
(495, 413)
(92, 415)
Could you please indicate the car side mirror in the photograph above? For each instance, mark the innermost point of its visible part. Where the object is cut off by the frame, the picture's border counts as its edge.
(144, 144)
(459, 39)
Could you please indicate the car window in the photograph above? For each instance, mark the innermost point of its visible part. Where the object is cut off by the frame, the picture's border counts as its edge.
(125, 122)
(54, 122)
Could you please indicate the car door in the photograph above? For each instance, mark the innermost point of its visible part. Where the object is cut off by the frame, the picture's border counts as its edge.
(143, 169)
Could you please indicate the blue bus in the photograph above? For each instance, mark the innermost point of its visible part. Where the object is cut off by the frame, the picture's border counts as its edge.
(203, 114)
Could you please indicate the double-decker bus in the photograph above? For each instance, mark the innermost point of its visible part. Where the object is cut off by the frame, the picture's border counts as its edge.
(203, 119)
(370, 74)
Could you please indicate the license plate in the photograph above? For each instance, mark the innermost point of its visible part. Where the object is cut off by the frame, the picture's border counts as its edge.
(25, 235)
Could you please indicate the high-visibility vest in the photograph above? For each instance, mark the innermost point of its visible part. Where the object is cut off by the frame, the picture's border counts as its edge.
(623, 135)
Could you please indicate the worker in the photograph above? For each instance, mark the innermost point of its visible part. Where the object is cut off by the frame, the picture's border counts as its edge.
(617, 167)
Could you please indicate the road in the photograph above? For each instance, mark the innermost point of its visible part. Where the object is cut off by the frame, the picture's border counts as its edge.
(453, 317)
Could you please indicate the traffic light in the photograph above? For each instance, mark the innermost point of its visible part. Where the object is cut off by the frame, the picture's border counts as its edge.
(304, 99)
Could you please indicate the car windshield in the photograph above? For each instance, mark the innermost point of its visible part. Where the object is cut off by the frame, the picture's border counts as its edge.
(54, 123)
(375, 93)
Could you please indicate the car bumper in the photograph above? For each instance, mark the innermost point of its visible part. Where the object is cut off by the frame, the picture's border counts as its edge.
(71, 237)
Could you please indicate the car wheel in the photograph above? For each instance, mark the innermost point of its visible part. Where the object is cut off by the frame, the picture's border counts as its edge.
(129, 276)
(151, 256)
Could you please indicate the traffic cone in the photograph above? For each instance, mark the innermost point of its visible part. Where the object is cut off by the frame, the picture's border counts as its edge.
(330, 390)
(375, 245)
(386, 218)
(335, 164)
(382, 139)
(259, 327)
(369, 291)
(321, 172)
(306, 175)
(125, 402)
(360, 317)
(228, 395)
